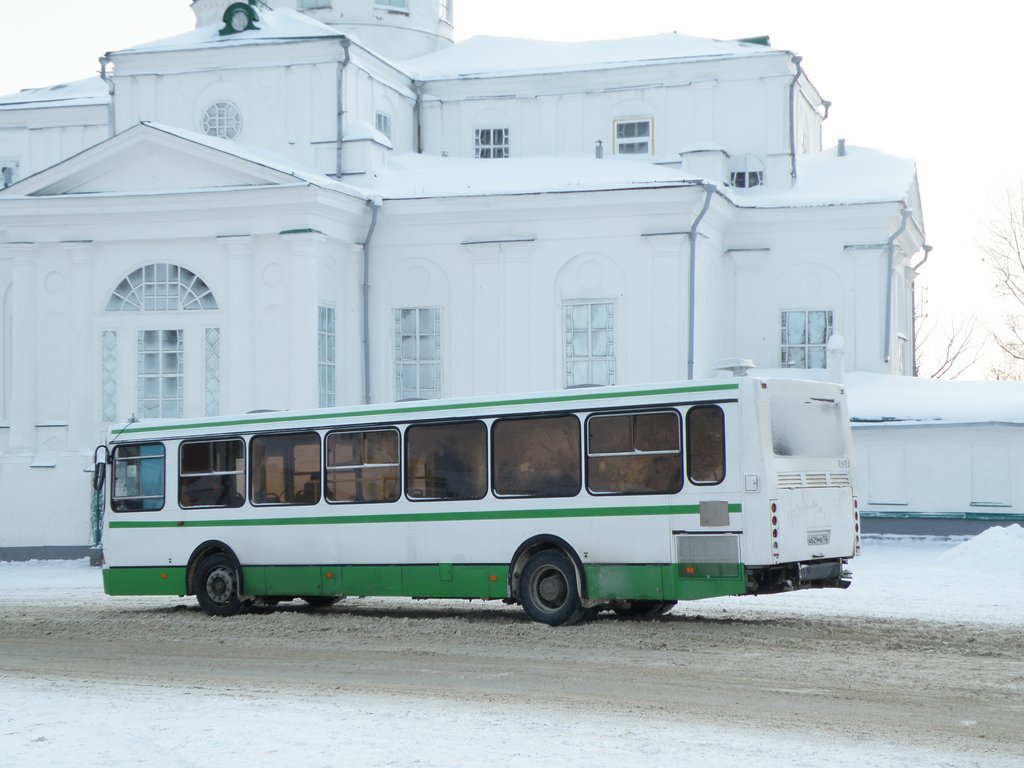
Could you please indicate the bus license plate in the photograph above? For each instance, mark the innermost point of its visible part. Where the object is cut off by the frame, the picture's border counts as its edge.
(818, 538)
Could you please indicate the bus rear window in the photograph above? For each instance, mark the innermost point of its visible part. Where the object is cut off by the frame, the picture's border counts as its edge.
(138, 477)
(808, 427)
(634, 453)
(362, 466)
(537, 456)
(446, 461)
(212, 473)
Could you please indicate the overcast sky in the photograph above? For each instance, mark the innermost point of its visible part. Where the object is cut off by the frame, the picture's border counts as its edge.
(932, 81)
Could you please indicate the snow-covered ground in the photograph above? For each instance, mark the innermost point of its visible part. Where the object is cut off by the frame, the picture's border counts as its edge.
(46, 721)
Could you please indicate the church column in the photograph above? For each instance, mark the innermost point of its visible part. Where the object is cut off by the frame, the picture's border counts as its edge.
(23, 345)
(83, 405)
(237, 349)
(304, 249)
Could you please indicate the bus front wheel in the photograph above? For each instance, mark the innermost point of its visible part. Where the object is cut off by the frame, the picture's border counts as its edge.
(548, 589)
(217, 586)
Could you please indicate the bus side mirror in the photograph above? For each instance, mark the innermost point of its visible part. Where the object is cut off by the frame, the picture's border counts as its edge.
(99, 473)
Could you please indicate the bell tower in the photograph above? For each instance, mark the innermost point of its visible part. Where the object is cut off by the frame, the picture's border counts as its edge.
(396, 29)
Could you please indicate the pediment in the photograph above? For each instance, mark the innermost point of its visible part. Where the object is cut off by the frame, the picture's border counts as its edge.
(147, 159)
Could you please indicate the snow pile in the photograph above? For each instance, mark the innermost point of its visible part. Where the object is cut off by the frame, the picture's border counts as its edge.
(997, 551)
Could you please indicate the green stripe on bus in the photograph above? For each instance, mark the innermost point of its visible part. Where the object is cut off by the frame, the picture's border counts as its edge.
(422, 517)
(282, 417)
(440, 580)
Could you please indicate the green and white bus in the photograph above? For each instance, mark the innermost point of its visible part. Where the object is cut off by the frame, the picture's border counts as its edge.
(622, 498)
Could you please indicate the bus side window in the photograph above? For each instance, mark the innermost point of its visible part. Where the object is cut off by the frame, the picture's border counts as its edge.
(634, 453)
(211, 473)
(705, 444)
(537, 456)
(362, 466)
(446, 461)
(285, 468)
(138, 478)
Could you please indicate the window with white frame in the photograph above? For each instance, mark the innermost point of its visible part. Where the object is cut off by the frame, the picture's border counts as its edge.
(160, 287)
(491, 143)
(746, 171)
(161, 374)
(805, 335)
(326, 357)
(589, 343)
(393, 5)
(223, 120)
(382, 122)
(108, 375)
(446, 10)
(314, 4)
(417, 353)
(159, 352)
(634, 137)
(10, 170)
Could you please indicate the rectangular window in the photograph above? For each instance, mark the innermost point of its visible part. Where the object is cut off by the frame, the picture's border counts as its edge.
(212, 383)
(363, 466)
(138, 477)
(589, 344)
(285, 468)
(327, 345)
(211, 473)
(418, 353)
(633, 137)
(161, 378)
(634, 453)
(537, 456)
(382, 122)
(394, 5)
(705, 445)
(805, 334)
(108, 375)
(313, 4)
(491, 143)
(446, 11)
(446, 461)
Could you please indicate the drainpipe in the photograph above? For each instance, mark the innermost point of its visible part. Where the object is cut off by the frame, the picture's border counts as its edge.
(709, 190)
(375, 205)
(345, 43)
(417, 113)
(913, 306)
(104, 62)
(792, 117)
(905, 214)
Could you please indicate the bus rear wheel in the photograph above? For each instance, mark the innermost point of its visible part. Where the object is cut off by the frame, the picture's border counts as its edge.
(217, 586)
(548, 589)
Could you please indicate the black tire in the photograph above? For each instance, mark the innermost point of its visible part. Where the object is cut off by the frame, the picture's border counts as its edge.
(645, 609)
(217, 585)
(548, 589)
(320, 601)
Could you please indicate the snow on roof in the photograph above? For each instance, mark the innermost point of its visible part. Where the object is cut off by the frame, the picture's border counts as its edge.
(875, 397)
(274, 25)
(259, 157)
(826, 178)
(485, 56)
(418, 176)
(80, 92)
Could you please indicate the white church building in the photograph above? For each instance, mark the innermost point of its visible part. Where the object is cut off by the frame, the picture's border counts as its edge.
(319, 202)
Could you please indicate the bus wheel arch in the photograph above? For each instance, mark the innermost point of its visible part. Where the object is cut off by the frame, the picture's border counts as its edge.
(546, 577)
(215, 578)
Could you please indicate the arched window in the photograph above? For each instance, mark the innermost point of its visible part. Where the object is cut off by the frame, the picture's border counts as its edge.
(163, 379)
(746, 171)
(161, 287)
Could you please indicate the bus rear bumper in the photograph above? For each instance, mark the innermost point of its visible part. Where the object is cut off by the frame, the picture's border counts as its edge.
(821, 574)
